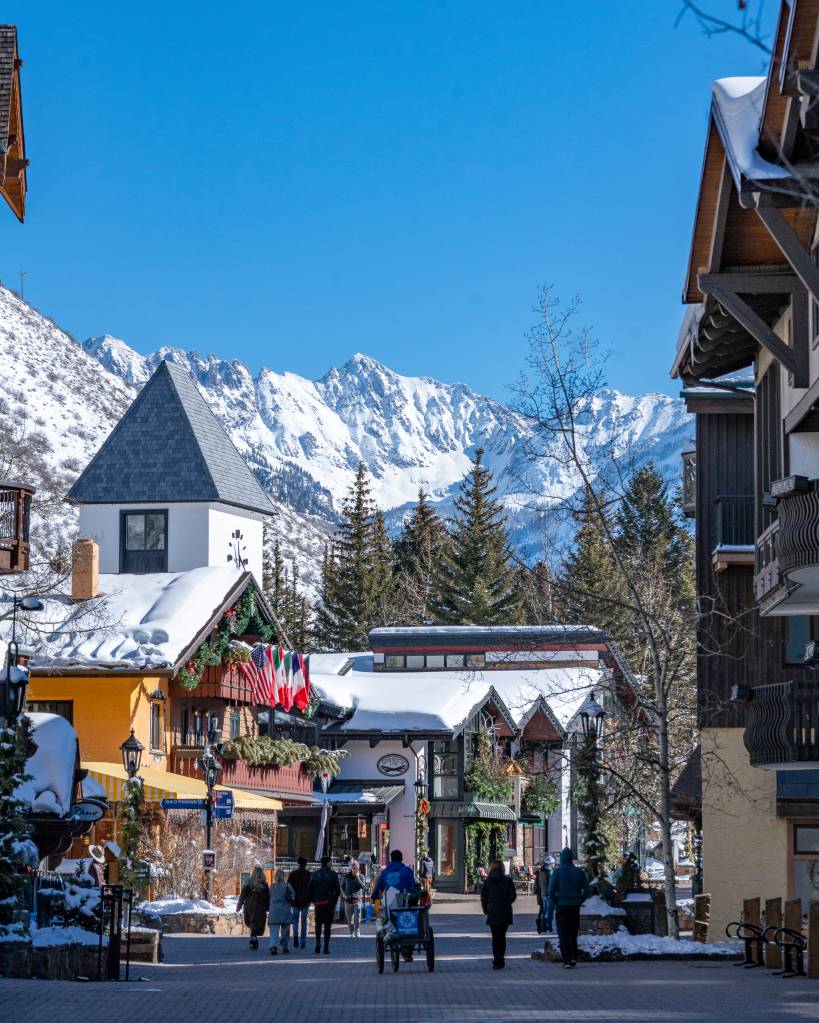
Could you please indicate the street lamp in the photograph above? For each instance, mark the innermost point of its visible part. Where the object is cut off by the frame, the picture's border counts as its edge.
(210, 770)
(421, 789)
(592, 717)
(131, 751)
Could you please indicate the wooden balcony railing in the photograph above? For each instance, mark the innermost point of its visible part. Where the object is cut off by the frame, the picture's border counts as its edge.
(767, 577)
(783, 725)
(15, 515)
(224, 681)
(243, 775)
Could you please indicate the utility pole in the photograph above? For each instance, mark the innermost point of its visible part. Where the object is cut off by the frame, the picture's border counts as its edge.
(22, 274)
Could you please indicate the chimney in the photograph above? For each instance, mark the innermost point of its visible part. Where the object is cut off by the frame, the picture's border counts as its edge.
(85, 575)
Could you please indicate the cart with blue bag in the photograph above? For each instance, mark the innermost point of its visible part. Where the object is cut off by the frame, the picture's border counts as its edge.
(407, 931)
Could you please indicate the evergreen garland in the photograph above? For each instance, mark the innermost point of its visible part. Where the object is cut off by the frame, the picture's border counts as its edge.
(486, 778)
(590, 798)
(132, 817)
(263, 751)
(17, 851)
(485, 830)
(540, 796)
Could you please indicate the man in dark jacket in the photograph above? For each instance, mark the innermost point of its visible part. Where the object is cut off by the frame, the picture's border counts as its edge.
(323, 891)
(497, 895)
(299, 880)
(568, 889)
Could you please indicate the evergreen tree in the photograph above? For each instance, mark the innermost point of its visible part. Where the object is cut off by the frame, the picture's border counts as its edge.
(132, 823)
(419, 551)
(274, 579)
(588, 583)
(476, 577)
(17, 851)
(536, 594)
(355, 594)
(295, 611)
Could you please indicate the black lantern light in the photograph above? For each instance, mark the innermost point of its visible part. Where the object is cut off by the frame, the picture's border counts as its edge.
(592, 717)
(13, 682)
(421, 788)
(131, 750)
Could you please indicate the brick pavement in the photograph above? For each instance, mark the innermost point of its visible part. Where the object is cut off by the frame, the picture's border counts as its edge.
(215, 979)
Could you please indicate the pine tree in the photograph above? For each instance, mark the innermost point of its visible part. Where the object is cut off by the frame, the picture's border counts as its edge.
(274, 581)
(587, 583)
(536, 594)
(476, 578)
(354, 590)
(132, 822)
(382, 577)
(419, 551)
(647, 529)
(17, 851)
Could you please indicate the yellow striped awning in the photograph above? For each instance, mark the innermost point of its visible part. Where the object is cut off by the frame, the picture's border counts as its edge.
(160, 785)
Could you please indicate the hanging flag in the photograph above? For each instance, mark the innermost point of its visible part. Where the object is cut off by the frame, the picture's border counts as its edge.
(301, 684)
(286, 695)
(278, 673)
(259, 673)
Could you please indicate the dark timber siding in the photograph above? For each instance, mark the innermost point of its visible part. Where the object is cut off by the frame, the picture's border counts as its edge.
(736, 646)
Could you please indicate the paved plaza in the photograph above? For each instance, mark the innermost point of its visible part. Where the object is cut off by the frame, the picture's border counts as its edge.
(215, 979)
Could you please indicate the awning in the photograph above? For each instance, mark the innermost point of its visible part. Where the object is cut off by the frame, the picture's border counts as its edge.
(473, 811)
(164, 785)
(365, 793)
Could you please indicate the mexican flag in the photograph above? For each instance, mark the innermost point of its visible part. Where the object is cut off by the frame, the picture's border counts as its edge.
(301, 682)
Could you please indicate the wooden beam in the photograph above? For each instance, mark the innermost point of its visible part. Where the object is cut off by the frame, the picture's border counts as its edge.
(792, 249)
(800, 333)
(720, 216)
(761, 332)
(749, 283)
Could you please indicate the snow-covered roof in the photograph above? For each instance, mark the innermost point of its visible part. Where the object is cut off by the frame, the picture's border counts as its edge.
(739, 103)
(138, 621)
(444, 701)
(51, 767)
(484, 630)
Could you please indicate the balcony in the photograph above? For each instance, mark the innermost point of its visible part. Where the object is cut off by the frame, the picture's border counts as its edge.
(783, 726)
(223, 681)
(240, 774)
(733, 531)
(15, 514)
(787, 571)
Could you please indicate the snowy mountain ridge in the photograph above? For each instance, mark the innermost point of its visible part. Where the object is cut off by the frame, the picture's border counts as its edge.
(305, 438)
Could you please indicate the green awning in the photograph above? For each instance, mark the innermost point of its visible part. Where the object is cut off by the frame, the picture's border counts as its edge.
(473, 811)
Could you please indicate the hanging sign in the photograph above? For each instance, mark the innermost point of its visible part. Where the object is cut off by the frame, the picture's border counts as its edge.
(208, 859)
(86, 811)
(392, 764)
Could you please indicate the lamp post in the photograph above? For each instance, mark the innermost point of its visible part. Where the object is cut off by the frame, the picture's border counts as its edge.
(211, 767)
(131, 813)
(421, 810)
(592, 721)
(13, 678)
(131, 750)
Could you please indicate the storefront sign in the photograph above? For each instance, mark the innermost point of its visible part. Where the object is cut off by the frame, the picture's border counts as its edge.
(87, 811)
(392, 764)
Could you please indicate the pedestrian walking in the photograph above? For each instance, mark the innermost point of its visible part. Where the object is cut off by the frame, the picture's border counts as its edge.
(280, 914)
(352, 892)
(426, 873)
(254, 899)
(497, 895)
(299, 879)
(543, 875)
(568, 889)
(323, 892)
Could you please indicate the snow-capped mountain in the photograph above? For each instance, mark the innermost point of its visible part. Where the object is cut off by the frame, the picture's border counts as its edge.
(305, 438)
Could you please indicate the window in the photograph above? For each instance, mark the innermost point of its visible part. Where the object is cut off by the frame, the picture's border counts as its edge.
(797, 637)
(454, 660)
(263, 722)
(444, 770)
(63, 708)
(806, 839)
(235, 723)
(143, 542)
(476, 660)
(435, 660)
(415, 661)
(395, 661)
(157, 731)
(446, 839)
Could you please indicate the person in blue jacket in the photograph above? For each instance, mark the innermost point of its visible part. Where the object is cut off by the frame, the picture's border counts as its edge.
(568, 889)
(395, 875)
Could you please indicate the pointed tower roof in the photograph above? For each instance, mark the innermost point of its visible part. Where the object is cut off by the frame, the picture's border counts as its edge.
(169, 447)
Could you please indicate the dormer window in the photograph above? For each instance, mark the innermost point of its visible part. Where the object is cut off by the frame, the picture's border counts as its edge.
(143, 542)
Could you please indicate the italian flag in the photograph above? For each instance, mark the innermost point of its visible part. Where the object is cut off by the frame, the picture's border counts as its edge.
(286, 692)
(301, 682)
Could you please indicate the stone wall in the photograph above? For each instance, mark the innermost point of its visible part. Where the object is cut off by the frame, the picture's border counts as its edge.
(58, 962)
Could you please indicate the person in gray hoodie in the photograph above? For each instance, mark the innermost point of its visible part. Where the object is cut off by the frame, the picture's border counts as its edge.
(280, 914)
(568, 889)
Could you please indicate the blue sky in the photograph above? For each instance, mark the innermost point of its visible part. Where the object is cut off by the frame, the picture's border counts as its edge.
(288, 184)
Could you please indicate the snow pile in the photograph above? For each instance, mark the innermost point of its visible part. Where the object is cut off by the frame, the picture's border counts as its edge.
(595, 906)
(92, 789)
(51, 767)
(48, 937)
(739, 103)
(654, 869)
(169, 906)
(595, 945)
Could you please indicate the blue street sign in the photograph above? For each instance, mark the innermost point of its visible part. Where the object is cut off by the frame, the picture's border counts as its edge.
(223, 799)
(222, 813)
(182, 804)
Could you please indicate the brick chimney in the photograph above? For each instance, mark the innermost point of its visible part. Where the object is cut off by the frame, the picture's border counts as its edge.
(85, 575)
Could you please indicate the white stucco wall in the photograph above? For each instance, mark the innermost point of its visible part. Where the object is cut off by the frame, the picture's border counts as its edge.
(360, 765)
(198, 534)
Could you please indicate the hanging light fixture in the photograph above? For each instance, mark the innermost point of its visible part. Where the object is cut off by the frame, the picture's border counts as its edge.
(592, 717)
(131, 751)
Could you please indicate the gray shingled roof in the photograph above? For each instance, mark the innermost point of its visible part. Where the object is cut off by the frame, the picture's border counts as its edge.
(169, 447)
(8, 42)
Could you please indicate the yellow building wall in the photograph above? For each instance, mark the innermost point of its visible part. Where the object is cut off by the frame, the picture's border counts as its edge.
(744, 846)
(106, 708)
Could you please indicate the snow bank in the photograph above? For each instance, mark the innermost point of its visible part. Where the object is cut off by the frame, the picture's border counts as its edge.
(165, 907)
(595, 906)
(47, 937)
(652, 945)
(51, 767)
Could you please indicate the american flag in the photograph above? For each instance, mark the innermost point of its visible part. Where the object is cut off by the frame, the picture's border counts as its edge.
(259, 673)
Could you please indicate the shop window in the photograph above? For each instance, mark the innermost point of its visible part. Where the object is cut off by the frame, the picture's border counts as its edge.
(455, 660)
(394, 661)
(63, 708)
(806, 839)
(476, 660)
(415, 661)
(444, 771)
(446, 837)
(435, 660)
(235, 723)
(157, 729)
(263, 722)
